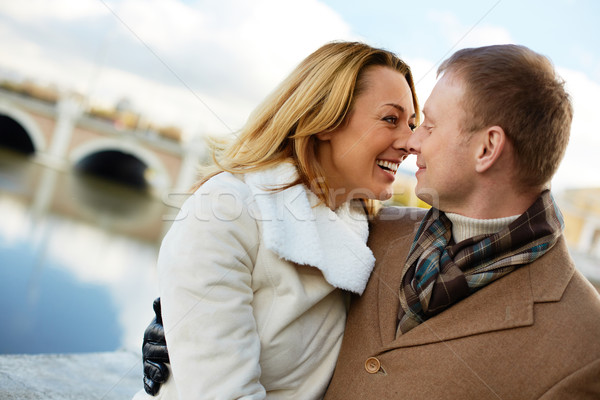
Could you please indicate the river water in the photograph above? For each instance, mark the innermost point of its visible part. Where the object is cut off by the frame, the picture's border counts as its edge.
(77, 260)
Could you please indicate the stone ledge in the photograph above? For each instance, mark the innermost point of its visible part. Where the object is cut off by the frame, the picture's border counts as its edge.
(78, 376)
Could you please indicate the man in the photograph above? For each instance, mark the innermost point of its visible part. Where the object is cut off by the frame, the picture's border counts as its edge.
(478, 298)
(488, 304)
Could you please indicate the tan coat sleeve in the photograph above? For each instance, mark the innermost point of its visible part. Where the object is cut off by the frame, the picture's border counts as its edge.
(582, 384)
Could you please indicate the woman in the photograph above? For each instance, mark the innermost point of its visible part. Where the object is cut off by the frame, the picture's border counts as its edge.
(255, 270)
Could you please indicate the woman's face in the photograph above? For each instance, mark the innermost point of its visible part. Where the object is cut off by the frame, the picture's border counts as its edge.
(361, 157)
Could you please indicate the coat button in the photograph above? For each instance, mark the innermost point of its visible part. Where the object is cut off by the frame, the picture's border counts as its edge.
(372, 365)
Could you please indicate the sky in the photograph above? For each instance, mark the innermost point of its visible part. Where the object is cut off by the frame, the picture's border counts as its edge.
(204, 65)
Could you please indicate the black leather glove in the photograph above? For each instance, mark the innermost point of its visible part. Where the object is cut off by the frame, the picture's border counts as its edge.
(154, 353)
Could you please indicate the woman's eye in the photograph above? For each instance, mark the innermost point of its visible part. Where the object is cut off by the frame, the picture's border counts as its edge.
(391, 119)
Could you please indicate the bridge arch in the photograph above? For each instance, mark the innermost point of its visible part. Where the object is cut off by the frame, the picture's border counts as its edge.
(121, 161)
(12, 118)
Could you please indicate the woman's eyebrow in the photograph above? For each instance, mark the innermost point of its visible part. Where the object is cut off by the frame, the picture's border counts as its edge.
(397, 106)
(400, 108)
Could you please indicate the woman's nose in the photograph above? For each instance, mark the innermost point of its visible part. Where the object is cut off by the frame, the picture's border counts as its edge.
(414, 141)
(400, 143)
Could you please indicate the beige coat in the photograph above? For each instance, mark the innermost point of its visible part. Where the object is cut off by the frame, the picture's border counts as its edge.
(250, 284)
(533, 334)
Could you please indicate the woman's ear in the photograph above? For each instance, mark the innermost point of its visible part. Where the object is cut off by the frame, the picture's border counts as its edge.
(490, 148)
(325, 136)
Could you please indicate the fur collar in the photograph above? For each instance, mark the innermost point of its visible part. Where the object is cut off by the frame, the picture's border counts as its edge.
(299, 230)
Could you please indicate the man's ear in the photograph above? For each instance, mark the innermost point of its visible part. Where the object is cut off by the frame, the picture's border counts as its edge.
(490, 148)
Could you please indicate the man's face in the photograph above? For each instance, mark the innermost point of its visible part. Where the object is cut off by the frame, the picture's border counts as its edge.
(445, 156)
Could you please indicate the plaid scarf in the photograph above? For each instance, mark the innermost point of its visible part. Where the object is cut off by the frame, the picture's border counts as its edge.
(439, 273)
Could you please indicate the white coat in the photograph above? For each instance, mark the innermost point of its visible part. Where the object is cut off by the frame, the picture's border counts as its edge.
(250, 283)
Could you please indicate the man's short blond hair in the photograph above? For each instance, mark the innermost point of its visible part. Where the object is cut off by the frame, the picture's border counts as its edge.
(515, 88)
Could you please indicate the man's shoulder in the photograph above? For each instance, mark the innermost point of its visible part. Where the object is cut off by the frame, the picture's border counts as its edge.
(555, 278)
(572, 313)
(582, 297)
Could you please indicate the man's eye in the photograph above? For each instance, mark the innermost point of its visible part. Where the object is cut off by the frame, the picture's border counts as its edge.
(412, 127)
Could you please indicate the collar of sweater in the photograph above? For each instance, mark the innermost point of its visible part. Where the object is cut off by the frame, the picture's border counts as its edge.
(465, 227)
(299, 229)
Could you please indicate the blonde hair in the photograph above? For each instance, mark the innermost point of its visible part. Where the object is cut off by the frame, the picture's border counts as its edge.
(317, 96)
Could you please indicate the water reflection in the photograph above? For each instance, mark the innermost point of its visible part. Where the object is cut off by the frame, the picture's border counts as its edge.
(77, 260)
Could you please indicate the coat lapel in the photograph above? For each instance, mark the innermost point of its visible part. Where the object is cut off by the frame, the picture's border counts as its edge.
(508, 303)
(504, 304)
(297, 227)
(389, 280)
(391, 237)
(550, 278)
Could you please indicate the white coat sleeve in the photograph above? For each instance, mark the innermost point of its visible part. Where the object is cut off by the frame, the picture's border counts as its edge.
(205, 269)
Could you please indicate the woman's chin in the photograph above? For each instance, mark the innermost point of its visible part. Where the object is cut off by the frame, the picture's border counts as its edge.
(372, 193)
(385, 195)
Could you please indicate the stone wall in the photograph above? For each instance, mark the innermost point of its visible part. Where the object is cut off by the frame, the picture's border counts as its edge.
(99, 376)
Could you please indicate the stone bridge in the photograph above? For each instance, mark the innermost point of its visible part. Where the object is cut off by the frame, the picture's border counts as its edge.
(62, 136)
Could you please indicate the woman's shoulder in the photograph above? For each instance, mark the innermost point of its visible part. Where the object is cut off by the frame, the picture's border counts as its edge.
(224, 182)
(223, 196)
(265, 179)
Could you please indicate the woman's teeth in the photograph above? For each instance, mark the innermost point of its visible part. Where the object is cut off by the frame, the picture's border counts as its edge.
(391, 166)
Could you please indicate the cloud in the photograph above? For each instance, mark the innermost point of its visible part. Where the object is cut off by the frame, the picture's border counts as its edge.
(424, 75)
(61, 10)
(581, 158)
(183, 61)
(461, 36)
